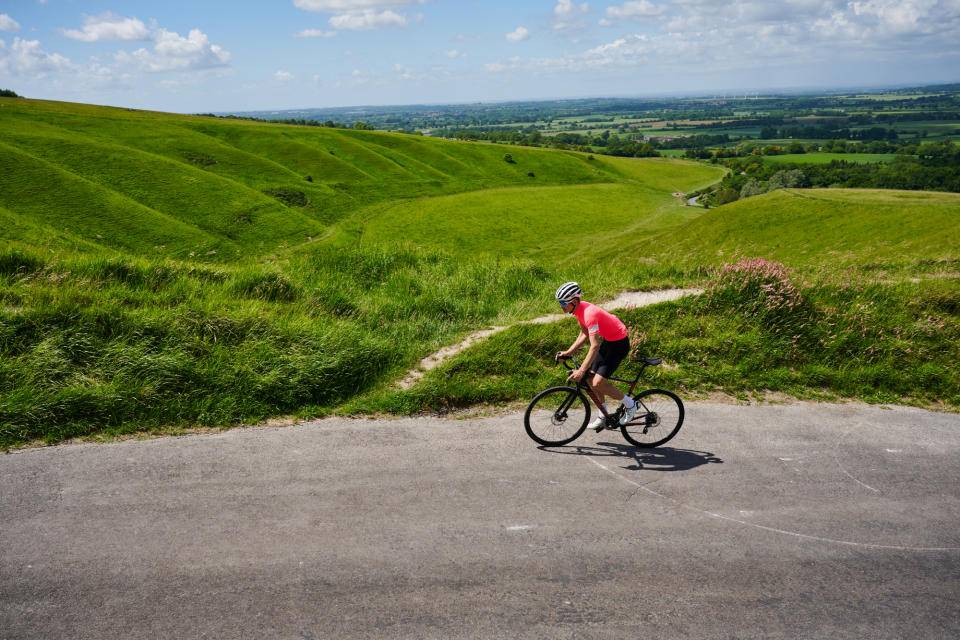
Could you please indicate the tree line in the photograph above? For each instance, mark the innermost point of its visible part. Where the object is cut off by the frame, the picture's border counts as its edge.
(935, 167)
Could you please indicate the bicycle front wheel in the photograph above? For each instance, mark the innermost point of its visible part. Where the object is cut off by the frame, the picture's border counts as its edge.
(557, 416)
(658, 418)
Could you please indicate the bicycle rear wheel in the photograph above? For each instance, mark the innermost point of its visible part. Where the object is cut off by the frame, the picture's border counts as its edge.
(658, 418)
(557, 416)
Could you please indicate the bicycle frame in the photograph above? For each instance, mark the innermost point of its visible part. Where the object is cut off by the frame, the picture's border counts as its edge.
(585, 386)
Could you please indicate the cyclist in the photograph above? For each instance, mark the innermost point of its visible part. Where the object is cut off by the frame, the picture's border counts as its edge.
(604, 357)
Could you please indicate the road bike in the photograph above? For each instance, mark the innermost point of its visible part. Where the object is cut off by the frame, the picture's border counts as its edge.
(558, 415)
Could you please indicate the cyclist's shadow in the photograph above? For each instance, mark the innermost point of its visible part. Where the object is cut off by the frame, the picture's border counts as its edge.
(659, 459)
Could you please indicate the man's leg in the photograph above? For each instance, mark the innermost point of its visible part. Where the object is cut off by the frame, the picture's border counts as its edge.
(629, 407)
(596, 396)
(602, 387)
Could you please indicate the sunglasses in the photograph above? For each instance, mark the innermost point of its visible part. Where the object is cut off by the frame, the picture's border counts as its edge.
(564, 303)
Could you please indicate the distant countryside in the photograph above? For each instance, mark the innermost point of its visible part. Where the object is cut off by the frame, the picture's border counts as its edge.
(897, 139)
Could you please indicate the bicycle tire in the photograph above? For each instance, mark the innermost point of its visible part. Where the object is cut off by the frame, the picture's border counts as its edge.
(659, 417)
(557, 416)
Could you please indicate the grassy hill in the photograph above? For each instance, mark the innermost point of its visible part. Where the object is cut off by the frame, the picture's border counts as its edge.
(161, 271)
(839, 228)
(171, 186)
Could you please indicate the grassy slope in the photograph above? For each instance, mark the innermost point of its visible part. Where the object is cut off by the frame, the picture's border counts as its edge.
(112, 319)
(126, 331)
(878, 316)
(823, 227)
(202, 184)
(551, 224)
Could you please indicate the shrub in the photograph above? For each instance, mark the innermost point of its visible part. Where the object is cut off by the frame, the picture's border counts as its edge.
(508, 158)
(757, 288)
(288, 196)
(198, 158)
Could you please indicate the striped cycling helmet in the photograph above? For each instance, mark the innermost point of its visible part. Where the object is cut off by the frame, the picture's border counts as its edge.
(567, 292)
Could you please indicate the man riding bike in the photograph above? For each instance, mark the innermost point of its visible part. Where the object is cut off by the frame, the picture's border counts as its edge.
(604, 356)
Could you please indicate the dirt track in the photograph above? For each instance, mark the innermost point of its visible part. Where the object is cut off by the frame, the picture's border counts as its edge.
(626, 300)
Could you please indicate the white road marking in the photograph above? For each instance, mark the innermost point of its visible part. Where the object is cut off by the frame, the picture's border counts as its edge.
(804, 536)
(842, 468)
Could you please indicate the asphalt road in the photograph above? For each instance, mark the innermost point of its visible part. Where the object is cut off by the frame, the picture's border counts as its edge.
(797, 521)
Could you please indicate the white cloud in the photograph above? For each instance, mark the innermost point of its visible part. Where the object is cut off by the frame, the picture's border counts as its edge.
(566, 8)
(453, 53)
(109, 28)
(567, 15)
(705, 36)
(361, 14)
(8, 24)
(368, 19)
(518, 34)
(634, 9)
(26, 58)
(283, 76)
(314, 33)
(404, 73)
(172, 52)
(352, 6)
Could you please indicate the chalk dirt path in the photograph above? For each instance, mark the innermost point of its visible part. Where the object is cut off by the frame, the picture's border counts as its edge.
(797, 521)
(626, 300)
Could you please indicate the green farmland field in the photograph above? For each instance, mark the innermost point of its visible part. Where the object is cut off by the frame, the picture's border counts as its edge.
(826, 158)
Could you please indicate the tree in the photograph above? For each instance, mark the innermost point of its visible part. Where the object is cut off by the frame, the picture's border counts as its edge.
(786, 179)
(362, 126)
(7, 93)
(726, 195)
(767, 133)
(753, 187)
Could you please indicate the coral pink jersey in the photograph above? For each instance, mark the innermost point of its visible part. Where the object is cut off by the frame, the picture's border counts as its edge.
(596, 320)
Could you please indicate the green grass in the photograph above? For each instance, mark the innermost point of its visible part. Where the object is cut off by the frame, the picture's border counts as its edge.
(838, 336)
(198, 185)
(580, 218)
(159, 272)
(811, 229)
(92, 344)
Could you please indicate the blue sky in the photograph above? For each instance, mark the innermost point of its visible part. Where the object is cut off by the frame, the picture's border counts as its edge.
(204, 56)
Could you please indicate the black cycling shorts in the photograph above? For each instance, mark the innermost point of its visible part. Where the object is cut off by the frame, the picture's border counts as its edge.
(610, 356)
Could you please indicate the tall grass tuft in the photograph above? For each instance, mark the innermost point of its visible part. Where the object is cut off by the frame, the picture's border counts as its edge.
(14, 262)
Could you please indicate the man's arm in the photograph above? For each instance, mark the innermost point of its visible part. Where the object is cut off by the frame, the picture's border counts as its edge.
(576, 344)
(577, 375)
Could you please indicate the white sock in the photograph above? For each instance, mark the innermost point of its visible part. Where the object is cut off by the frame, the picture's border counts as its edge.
(604, 405)
(627, 401)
